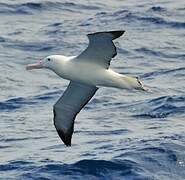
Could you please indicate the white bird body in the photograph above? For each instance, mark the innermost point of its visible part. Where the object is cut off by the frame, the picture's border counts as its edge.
(86, 72)
(90, 73)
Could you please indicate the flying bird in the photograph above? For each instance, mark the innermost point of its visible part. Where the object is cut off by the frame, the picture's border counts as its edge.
(86, 73)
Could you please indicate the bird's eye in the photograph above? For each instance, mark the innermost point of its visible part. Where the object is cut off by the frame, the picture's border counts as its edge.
(49, 59)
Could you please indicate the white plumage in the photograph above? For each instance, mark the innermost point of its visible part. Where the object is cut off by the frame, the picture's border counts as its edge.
(86, 72)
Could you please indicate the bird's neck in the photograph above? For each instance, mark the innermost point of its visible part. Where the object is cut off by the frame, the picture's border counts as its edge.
(61, 66)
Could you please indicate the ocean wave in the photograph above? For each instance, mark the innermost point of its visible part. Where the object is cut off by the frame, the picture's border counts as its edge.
(99, 133)
(19, 102)
(141, 163)
(32, 7)
(158, 9)
(14, 139)
(167, 153)
(156, 17)
(115, 144)
(30, 46)
(25, 8)
(14, 165)
(160, 54)
(12, 104)
(161, 107)
(147, 18)
(176, 72)
(161, 21)
(2, 39)
(83, 169)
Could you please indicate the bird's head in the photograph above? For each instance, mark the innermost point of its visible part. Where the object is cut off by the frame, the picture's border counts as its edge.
(50, 62)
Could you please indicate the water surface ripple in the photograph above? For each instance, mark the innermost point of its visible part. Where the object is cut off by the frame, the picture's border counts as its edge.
(119, 134)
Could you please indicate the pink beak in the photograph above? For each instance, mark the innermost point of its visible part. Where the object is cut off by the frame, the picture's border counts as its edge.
(34, 66)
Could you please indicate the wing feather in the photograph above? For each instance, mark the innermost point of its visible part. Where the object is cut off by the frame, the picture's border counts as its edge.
(75, 97)
(101, 48)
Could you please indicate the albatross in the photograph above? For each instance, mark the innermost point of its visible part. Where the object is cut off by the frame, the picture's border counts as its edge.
(86, 72)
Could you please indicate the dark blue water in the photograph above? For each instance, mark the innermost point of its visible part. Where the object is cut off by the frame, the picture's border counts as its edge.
(119, 134)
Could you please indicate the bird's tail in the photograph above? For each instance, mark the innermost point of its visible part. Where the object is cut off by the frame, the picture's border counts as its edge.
(141, 86)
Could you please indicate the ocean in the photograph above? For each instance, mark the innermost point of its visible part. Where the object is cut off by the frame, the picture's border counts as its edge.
(120, 134)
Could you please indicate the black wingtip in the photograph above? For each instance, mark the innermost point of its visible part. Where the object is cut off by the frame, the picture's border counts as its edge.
(66, 138)
(116, 34)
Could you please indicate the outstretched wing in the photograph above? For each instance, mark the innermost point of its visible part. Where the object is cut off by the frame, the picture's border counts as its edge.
(101, 48)
(75, 97)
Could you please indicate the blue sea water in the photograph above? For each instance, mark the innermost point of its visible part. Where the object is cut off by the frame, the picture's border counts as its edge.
(119, 134)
